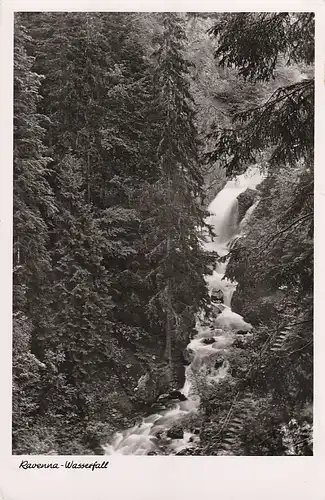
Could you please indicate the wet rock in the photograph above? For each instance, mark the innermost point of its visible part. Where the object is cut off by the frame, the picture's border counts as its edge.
(177, 395)
(163, 398)
(217, 296)
(156, 408)
(242, 332)
(174, 394)
(209, 340)
(175, 432)
(218, 363)
(166, 398)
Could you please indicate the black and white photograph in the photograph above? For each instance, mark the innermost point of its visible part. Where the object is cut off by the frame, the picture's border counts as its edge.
(163, 217)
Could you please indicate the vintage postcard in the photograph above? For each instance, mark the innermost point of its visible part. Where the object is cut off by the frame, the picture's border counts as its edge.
(161, 257)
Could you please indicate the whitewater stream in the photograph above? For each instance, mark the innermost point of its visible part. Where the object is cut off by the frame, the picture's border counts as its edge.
(208, 349)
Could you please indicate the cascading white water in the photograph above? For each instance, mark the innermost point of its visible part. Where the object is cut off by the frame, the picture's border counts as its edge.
(208, 349)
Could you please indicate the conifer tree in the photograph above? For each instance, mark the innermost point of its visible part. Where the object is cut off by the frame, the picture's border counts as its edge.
(82, 306)
(109, 224)
(176, 260)
(33, 197)
(283, 125)
(103, 125)
(33, 205)
(97, 95)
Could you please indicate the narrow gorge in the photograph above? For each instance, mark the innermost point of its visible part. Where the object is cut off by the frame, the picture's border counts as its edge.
(208, 348)
(162, 252)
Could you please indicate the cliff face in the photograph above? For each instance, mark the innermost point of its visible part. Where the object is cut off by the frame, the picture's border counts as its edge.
(260, 302)
(213, 186)
(245, 200)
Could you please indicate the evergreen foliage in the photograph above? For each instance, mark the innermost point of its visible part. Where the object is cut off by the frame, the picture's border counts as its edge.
(33, 197)
(177, 263)
(273, 261)
(255, 43)
(112, 115)
(100, 123)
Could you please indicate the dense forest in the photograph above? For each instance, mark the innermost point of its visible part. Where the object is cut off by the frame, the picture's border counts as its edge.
(126, 126)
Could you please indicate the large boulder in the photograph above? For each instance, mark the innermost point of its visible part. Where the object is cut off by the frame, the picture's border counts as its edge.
(245, 200)
(177, 395)
(175, 432)
(163, 398)
(157, 408)
(208, 340)
(218, 363)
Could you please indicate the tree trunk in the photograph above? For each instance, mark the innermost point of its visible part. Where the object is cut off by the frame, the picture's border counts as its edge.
(169, 323)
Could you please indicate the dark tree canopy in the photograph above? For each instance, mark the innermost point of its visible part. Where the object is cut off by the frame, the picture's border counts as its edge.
(283, 125)
(254, 43)
(121, 122)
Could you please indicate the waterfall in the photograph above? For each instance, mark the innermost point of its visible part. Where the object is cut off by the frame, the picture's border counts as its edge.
(208, 349)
